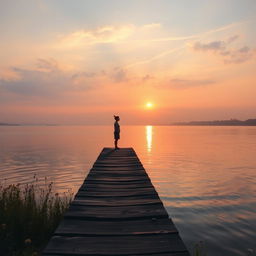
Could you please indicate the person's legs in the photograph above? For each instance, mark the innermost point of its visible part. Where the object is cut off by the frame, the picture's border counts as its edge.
(116, 147)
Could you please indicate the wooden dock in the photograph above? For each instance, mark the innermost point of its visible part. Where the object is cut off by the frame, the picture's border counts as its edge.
(116, 211)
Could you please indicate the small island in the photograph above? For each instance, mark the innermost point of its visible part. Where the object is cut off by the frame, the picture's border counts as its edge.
(231, 122)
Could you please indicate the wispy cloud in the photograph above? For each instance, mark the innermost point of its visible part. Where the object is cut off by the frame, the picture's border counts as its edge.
(106, 34)
(152, 26)
(147, 77)
(119, 75)
(214, 45)
(182, 84)
(158, 56)
(194, 36)
(232, 39)
(223, 28)
(8, 74)
(211, 46)
(47, 65)
(223, 48)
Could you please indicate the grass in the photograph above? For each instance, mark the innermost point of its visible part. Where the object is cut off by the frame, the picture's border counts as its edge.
(199, 249)
(28, 217)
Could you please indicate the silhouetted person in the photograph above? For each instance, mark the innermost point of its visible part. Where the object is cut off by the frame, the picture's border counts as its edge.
(116, 131)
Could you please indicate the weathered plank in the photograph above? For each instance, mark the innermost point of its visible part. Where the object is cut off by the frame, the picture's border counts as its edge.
(115, 245)
(133, 227)
(118, 172)
(120, 212)
(114, 193)
(114, 175)
(113, 189)
(116, 161)
(117, 179)
(116, 211)
(113, 201)
(116, 186)
(155, 254)
(118, 182)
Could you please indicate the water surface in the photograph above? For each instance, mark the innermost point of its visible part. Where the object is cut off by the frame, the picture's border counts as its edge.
(206, 176)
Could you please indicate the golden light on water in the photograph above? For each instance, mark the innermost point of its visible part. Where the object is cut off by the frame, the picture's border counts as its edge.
(149, 132)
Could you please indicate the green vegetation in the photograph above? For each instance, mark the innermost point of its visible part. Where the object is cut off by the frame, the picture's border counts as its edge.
(28, 217)
(199, 249)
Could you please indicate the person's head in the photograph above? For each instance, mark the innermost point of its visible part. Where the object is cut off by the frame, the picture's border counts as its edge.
(117, 118)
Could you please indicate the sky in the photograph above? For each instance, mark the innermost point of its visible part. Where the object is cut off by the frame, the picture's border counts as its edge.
(82, 61)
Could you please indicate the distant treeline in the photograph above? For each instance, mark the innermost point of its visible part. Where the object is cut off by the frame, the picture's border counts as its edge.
(231, 122)
(8, 124)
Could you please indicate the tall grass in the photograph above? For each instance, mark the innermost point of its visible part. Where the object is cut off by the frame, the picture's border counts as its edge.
(28, 217)
(199, 249)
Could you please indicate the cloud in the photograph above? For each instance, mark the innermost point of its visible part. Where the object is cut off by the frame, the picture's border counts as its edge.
(35, 83)
(46, 79)
(47, 65)
(223, 48)
(152, 26)
(212, 46)
(198, 35)
(147, 78)
(106, 34)
(181, 84)
(156, 57)
(84, 74)
(241, 55)
(8, 74)
(119, 75)
(232, 39)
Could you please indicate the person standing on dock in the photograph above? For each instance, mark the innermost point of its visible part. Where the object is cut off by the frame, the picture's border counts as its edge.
(116, 131)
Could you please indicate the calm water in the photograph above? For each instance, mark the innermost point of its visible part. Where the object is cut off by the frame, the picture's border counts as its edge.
(206, 176)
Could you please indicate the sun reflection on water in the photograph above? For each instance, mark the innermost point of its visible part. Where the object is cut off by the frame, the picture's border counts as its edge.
(149, 133)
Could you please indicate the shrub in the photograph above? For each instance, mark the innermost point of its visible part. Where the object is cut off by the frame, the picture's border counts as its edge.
(28, 217)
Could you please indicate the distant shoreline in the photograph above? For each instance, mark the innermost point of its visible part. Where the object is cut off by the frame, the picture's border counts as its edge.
(231, 122)
(6, 124)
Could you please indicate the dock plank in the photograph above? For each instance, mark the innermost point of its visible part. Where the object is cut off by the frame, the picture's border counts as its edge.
(85, 201)
(117, 179)
(123, 245)
(118, 172)
(115, 186)
(121, 190)
(118, 212)
(133, 227)
(155, 254)
(117, 193)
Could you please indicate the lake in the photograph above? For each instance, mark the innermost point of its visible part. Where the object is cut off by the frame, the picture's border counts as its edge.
(206, 176)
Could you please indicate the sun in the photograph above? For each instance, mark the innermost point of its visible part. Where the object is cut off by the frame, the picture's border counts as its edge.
(149, 105)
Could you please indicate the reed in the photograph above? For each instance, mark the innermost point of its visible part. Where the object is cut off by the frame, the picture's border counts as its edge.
(199, 249)
(28, 217)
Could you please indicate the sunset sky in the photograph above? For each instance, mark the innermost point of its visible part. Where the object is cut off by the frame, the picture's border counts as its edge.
(81, 61)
